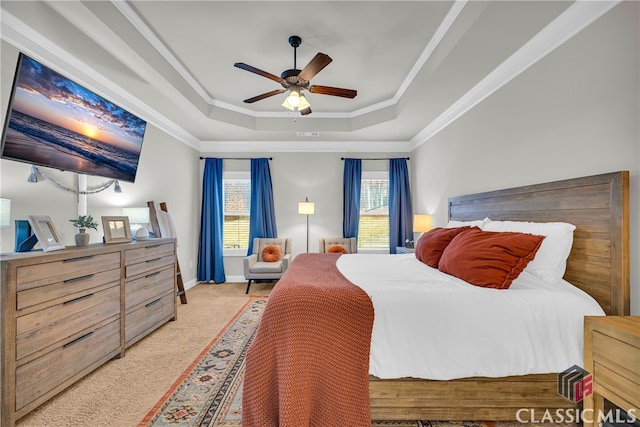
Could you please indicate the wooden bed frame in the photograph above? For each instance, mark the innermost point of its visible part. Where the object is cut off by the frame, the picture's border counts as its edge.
(599, 264)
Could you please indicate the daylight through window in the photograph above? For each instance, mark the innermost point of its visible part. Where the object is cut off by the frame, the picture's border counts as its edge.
(373, 229)
(237, 208)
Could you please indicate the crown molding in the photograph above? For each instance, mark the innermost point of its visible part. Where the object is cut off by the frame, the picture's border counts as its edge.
(130, 14)
(32, 43)
(305, 146)
(574, 19)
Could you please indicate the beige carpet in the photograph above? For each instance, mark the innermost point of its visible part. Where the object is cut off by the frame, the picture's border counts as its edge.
(121, 392)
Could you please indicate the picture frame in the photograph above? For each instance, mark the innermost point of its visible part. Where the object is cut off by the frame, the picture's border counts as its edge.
(46, 233)
(116, 229)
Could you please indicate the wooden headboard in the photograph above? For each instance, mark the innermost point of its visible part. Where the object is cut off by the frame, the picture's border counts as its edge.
(599, 208)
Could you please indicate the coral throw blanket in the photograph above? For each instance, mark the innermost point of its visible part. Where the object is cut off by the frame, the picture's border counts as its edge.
(309, 362)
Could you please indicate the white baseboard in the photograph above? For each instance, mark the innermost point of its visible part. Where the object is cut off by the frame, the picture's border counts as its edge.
(229, 279)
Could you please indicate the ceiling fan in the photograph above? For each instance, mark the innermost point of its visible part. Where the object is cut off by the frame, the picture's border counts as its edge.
(295, 81)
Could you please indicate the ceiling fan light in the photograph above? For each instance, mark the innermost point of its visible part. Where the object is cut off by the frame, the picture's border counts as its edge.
(294, 98)
(303, 103)
(286, 104)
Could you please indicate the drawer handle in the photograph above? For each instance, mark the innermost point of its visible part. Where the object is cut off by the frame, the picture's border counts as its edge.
(153, 302)
(70, 343)
(78, 259)
(152, 274)
(77, 299)
(75, 279)
(154, 260)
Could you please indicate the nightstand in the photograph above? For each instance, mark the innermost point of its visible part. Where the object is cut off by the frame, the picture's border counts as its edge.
(403, 250)
(612, 356)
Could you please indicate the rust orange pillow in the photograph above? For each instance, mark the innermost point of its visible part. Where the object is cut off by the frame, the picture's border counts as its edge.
(271, 253)
(336, 249)
(432, 243)
(487, 258)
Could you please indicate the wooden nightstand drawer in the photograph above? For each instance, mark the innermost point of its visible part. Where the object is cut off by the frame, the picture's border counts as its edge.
(611, 380)
(40, 376)
(616, 355)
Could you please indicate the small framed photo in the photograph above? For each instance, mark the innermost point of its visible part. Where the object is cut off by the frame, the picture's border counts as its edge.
(116, 229)
(46, 233)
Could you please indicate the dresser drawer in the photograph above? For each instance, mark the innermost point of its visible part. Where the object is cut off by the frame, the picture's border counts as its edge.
(42, 375)
(45, 329)
(143, 254)
(149, 287)
(31, 276)
(149, 265)
(67, 289)
(149, 316)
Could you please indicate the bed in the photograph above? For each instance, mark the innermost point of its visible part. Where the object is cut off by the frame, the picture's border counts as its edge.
(598, 265)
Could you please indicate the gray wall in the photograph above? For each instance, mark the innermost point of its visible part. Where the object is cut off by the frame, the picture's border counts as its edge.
(574, 113)
(295, 176)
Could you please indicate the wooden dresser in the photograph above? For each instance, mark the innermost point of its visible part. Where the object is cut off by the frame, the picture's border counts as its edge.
(612, 356)
(67, 312)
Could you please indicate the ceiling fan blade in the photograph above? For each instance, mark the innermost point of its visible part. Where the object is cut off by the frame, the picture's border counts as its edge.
(333, 91)
(257, 71)
(305, 111)
(264, 95)
(314, 66)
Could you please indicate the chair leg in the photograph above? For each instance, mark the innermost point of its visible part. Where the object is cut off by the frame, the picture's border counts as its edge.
(248, 286)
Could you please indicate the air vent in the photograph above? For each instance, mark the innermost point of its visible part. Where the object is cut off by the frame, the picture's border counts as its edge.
(308, 133)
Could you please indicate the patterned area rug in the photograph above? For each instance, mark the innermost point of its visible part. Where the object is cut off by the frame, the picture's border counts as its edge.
(209, 392)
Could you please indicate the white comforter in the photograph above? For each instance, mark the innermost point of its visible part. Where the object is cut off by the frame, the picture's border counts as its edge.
(434, 326)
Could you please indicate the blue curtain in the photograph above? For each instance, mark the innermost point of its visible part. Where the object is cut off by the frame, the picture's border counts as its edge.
(262, 222)
(351, 197)
(400, 211)
(210, 265)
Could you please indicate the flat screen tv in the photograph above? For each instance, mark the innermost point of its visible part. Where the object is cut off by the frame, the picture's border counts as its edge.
(53, 121)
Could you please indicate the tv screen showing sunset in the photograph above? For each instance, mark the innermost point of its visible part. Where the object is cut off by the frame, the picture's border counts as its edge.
(55, 122)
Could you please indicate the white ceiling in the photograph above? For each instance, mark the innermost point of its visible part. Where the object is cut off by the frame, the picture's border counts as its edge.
(417, 65)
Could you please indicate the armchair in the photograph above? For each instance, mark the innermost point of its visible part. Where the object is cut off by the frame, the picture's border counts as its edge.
(257, 268)
(348, 243)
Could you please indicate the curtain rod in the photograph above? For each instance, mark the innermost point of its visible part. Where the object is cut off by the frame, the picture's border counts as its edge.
(380, 158)
(233, 158)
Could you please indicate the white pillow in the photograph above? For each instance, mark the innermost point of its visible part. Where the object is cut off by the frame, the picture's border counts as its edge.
(550, 261)
(478, 223)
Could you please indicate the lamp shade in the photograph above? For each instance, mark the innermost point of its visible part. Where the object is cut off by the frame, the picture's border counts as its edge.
(5, 212)
(306, 208)
(422, 223)
(137, 215)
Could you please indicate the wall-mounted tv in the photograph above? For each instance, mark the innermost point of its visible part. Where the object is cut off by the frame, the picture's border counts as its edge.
(53, 121)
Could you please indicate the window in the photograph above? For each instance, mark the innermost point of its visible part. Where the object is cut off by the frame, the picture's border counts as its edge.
(236, 188)
(373, 229)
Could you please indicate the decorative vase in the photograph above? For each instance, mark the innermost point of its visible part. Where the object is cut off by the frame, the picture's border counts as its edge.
(82, 238)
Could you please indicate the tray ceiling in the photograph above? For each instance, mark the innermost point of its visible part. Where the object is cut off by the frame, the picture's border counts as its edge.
(417, 65)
